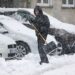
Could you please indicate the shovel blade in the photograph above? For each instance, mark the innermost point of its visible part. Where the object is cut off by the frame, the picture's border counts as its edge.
(49, 47)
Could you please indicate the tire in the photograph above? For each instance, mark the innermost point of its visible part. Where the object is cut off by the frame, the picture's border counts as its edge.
(22, 49)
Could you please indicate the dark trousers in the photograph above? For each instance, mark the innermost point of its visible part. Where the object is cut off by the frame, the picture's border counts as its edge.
(42, 53)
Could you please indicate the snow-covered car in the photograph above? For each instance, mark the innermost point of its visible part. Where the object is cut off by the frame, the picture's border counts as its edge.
(7, 47)
(18, 32)
(25, 37)
(23, 14)
(20, 14)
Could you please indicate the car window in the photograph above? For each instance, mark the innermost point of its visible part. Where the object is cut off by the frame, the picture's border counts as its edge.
(25, 14)
(2, 29)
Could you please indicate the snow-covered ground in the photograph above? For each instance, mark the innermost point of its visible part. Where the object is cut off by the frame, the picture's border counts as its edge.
(29, 65)
(59, 65)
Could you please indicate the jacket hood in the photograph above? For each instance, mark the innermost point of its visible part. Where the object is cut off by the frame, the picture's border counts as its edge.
(38, 8)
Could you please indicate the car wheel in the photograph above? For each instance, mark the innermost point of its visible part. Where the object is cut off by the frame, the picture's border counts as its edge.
(22, 49)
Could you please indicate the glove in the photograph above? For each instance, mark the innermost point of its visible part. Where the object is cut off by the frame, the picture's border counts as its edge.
(32, 20)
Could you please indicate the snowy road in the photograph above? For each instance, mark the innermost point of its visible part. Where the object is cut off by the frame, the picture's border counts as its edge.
(59, 65)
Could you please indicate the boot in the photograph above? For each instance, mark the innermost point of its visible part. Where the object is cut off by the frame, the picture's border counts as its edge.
(43, 62)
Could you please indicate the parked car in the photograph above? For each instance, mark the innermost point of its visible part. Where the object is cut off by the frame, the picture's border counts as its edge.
(24, 37)
(7, 47)
(19, 33)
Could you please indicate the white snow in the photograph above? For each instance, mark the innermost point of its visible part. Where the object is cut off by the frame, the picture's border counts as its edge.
(59, 65)
(16, 26)
(29, 65)
(55, 23)
(4, 40)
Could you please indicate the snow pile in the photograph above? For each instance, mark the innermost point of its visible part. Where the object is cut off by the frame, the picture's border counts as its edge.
(59, 65)
(66, 70)
(55, 23)
(29, 65)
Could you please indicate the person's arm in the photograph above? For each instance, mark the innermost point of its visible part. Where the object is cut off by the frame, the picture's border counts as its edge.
(46, 24)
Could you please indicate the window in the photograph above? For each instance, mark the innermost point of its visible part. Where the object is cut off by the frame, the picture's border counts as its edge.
(44, 2)
(64, 1)
(6, 3)
(38, 1)
(68, 3)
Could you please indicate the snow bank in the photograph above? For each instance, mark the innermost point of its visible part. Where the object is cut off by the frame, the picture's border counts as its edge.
(59, 65)
(66, 70)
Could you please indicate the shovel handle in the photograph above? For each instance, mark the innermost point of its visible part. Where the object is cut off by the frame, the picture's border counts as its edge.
(40, 34)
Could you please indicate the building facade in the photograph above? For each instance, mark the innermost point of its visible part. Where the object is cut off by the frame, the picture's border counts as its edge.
(64, 10)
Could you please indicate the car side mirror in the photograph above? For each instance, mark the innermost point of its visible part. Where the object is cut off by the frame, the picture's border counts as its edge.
(5, 32)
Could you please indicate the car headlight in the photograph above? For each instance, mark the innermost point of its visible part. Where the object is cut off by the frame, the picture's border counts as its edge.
(12, 48)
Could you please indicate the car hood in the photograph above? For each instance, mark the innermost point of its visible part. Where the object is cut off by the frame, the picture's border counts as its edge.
(5, 40)
(15, 26)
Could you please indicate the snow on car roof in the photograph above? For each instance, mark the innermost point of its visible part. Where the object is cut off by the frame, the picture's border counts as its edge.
(15, 9)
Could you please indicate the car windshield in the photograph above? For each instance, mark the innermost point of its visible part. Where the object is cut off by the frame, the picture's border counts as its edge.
(25, 14)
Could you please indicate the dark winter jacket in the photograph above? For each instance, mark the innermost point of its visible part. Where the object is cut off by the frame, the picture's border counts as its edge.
(41, 22)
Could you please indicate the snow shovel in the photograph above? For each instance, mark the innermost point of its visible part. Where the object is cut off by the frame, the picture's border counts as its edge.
(50, 48)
